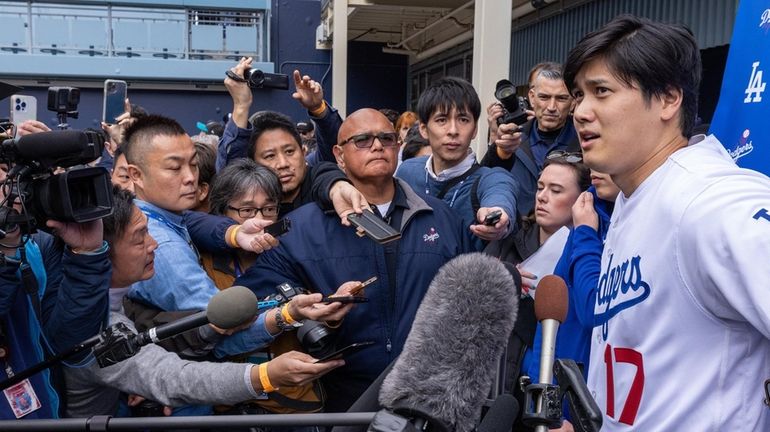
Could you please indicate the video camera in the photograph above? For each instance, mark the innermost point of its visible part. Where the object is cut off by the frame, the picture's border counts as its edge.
(76, 195)
(515, 106)
(316, 339)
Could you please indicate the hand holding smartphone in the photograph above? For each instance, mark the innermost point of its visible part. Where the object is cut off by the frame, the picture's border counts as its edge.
(493, 217)
(278, 228)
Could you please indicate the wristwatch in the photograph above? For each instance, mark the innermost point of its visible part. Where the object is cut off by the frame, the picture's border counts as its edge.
(282, 324)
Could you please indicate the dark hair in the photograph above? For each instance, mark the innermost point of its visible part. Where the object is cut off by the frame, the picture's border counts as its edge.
(140, 134)
(138, 111)
(655, 56)
(581, 171)
(413, 142)
(446, 93)
(391, 114)
(264, 121)
(239, 177)
(207, 159)
(118, 221)
(215, 128)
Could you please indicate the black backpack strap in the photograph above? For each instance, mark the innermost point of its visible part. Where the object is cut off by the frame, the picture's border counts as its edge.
(454, 181)
(475, 203)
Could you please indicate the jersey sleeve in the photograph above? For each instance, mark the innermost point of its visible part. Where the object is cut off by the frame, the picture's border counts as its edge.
(723, 250)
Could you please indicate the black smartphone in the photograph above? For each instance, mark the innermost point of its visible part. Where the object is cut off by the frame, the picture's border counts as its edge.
(278, 228)
(373, 227)
(345, 351)
(345, 299)
(493, 217)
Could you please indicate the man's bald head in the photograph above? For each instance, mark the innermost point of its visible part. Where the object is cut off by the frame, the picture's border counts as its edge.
(362, 121)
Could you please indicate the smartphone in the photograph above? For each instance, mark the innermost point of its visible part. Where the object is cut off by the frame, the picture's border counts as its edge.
(345, 351)
(492, 218)
(278, 228)
(23, 108)
(344, 299)
(357, 289)
(374, 227)
(114, 100)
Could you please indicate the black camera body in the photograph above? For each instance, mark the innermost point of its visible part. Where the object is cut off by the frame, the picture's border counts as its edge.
(78, 194)
(316, 339)
(515, 106)
(118, 343)
(64, 100)
(258, 79)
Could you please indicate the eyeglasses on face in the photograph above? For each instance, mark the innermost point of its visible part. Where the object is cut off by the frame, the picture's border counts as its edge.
(569, 157)
(366, 140)
(250, 212)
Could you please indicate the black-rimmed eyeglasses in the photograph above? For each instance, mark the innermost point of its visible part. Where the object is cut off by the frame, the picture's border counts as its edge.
(366, 140)
(250, 212)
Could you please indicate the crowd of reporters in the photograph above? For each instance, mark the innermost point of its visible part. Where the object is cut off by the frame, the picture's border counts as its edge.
(190, 217)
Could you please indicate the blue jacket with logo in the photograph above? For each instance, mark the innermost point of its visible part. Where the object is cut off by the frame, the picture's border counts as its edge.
(495, 188)
(320, 254)
(73, 294)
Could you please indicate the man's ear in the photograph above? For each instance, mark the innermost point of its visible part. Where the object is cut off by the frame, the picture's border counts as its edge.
(136, 175)
(424, 130)
(339, 155)
(671, 103)
(203, 191)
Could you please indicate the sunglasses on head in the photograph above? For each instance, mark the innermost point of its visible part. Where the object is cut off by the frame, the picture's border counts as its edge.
(569, 157)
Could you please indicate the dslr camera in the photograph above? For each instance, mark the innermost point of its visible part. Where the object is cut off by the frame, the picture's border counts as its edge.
(78, 194)
(316, 339)
(515, 106)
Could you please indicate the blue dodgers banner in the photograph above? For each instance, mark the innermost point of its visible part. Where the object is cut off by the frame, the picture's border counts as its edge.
(741, 118)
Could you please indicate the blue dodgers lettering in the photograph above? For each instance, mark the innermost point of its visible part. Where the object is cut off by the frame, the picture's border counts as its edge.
(620, 288)
(762, 214)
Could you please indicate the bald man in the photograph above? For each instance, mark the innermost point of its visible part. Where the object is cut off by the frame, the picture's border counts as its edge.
(320, 254)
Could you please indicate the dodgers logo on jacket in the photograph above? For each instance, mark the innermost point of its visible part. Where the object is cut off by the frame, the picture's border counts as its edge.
(431, 236)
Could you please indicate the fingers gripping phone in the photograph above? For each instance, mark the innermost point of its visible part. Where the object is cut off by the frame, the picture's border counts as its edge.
(344, 299)
(278, 228)
(114, 100)
(493, 218)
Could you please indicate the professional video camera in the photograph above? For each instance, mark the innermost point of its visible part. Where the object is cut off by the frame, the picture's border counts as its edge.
(515, 106)
(75, 195)
(317, 339)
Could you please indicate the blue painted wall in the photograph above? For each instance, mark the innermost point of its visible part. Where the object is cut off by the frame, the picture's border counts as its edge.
(374, 79)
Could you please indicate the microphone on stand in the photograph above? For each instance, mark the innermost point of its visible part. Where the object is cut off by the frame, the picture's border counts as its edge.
(446, 369)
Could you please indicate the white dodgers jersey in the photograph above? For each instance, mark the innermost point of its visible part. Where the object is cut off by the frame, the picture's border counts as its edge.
(682, 336)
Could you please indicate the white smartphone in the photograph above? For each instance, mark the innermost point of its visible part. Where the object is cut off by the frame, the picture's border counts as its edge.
(23, 108)
(114, 100)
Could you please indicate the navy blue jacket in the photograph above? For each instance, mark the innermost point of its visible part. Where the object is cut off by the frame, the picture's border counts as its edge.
(320, 254)
(73, 293)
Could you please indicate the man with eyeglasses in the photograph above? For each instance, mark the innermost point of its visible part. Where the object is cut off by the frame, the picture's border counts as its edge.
(163, 166)
(522, 149)
(320, 254)
(449, 110)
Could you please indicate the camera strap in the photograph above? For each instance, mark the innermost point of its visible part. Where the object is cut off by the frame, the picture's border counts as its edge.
(29, 281)
(230, 74)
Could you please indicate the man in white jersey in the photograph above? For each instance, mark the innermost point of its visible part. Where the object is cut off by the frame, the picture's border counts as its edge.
(682, 315)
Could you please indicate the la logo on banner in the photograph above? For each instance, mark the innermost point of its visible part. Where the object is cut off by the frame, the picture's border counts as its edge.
(756, 86)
